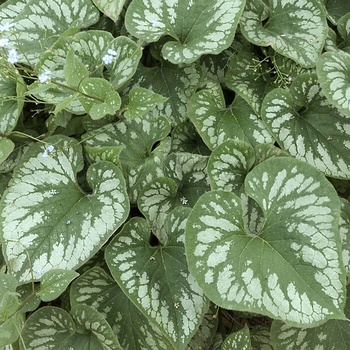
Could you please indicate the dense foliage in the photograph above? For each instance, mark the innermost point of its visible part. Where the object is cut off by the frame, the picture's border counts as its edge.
(174, 174)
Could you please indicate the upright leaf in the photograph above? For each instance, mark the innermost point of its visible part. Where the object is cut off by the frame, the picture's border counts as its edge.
(291, 269)
(47, 221)
(199, 27)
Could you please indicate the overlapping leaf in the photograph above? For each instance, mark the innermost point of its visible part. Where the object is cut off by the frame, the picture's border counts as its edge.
(296, 29)
(97, 289)
(47, 221)
(111, 8)
(238, 340)
(291, 269)
(156, 278)
(308, 127)
(199, 27)
(216, 123)
(332, 72)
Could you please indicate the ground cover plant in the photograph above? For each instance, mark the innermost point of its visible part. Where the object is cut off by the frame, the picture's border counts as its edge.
(174, 174)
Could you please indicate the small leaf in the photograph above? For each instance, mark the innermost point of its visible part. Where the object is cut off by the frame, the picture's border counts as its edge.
(209, 27)
(301, 40)
(156, 278)
(74, 70)
(54, 283)
(111, 8)
(141, 102)
(291, 268)
(308, 127)
(332, 72)
(47, 221)
(6, 148)
(239, 340)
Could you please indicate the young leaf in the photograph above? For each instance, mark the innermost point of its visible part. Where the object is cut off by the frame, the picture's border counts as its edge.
(332, 72)
(47, 221)
(54, 282)
(74, 70)
(141, 102)
(111, 8)
(238, 340)
(6, 148)
(156, 278)
(301, 40)
(308, 127)
(98, 289)
(291, 269)
(208, 27)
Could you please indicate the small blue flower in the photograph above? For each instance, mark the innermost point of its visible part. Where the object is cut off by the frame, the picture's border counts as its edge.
(107, 59)
(45, 76)
(4, 42)
(12, 56)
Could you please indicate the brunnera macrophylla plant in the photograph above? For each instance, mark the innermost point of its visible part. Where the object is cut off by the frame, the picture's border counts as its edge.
(174, 174)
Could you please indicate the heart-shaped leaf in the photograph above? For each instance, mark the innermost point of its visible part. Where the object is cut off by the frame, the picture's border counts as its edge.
(216, 123)
(39, 23)
(54, 282)
(98, 289)
(308, 127)
(301, 40)
(47, 221)
(291, 269)
(208, 27)
(333, 69)
(156, 278)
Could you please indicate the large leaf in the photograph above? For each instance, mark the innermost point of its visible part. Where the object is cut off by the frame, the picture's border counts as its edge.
(333, 71)
(98, 289)
(199, 27)
(291, 269)
(39, 24)
(308, 127)
(216, 123)
(47, 221)
(296, 29)
(156, 278)
(334, 334)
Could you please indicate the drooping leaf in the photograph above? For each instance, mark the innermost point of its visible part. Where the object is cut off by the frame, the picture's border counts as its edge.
(216, 123)
(238, 340)
(156, 278)
(332, 72)
(98, 289)
(308, 127)
(198, 27)
(291, 269)
(296, 29)
(39, 23)
(54, 282)
(47, 221)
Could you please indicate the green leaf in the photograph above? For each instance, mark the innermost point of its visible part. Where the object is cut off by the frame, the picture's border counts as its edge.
(111, 8)
(39, 23)
(47, 221)
(156, 278)
(12, 89)
(176, 83)
(239, 340)
(291, 268)
(8, 283)
(344, 229)
(301, 40)
(229, 164)
(216, 123)
(137, 138)
(308, 127)
(9, 331)
(209, 27)
(98, 289)
(54, 282)
(6, 148)
(141, 102)
(74, 70)
(332, 72)
(9, 304)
